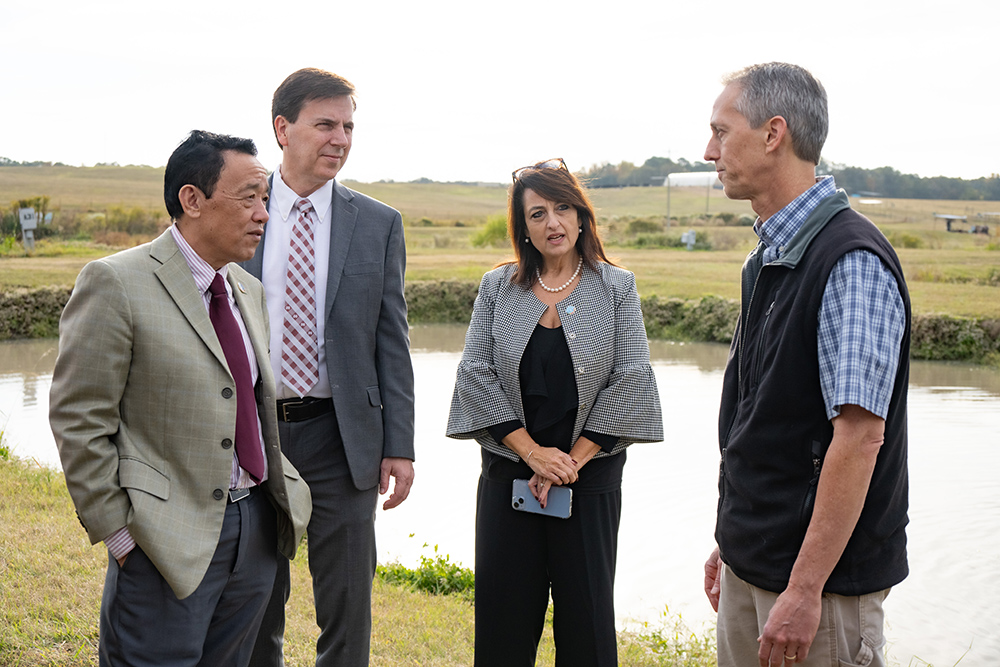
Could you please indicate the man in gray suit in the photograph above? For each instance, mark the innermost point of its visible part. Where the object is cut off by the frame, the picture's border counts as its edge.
(332, 263)
(162, 406)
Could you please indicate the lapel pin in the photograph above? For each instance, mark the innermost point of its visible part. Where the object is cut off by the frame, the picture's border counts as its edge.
(570, 310)
(242, 288)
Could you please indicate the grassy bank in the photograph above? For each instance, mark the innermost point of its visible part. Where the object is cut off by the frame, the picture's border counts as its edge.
(51, 581)
(28, 313)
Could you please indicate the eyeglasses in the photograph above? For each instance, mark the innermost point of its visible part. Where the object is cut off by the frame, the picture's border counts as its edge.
(554, 163)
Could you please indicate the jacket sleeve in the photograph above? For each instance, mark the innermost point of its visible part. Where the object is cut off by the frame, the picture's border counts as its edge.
(629, 405)
(95, 348)
(392, 352)
(479, 400)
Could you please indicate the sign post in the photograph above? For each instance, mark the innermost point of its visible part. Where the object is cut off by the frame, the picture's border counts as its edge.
(28, 224)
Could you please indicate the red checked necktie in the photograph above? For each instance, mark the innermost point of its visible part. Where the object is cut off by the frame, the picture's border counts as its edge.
(299, 348)
(247, 435)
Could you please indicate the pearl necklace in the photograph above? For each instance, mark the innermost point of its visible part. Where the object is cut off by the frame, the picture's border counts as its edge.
(545, 287)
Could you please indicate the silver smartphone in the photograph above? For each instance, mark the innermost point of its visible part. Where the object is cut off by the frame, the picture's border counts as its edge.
(558, 505)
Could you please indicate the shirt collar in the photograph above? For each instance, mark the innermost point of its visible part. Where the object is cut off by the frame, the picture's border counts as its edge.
(783, 225)
(202, 271)
(283, 198)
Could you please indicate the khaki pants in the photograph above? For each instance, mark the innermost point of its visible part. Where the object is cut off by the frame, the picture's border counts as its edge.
(850, 628)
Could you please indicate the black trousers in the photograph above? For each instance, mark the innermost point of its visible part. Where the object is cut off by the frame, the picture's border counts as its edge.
(519, 556)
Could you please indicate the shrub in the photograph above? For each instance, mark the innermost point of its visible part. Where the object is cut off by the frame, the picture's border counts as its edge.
(437, 576)
(712, 319)
(134, 220)
(657, 241)
(493, 233)
(904, 240)
(440, 300)
(32, 313)
(644, 227)
(942, 337)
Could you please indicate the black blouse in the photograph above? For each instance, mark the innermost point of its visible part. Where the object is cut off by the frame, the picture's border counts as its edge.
(549, 396)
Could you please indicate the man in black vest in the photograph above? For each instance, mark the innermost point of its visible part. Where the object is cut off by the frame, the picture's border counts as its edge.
(812, 427)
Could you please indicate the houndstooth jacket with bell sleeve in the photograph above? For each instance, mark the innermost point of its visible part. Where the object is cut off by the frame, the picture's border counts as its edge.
(602, 323)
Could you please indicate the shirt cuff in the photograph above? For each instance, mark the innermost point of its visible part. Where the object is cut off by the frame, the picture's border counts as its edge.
(502, 430)
(120, 543)
(607, 443)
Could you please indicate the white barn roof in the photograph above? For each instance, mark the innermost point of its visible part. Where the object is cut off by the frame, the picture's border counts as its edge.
(692, 179)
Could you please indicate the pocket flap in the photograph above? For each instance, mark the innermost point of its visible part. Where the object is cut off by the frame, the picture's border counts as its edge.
(134, 474)
(374, 397)
(362, 268)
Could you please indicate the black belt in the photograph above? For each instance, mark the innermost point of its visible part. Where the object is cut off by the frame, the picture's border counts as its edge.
(301, 409)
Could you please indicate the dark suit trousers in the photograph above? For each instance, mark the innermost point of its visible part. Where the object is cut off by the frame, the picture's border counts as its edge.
(520, 555)
(144, 624)
(342, 554)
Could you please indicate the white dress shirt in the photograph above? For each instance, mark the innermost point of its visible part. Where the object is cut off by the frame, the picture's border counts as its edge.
(275, 266)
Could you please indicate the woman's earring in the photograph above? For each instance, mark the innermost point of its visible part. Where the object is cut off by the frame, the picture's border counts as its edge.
(526, 239)
(581, 230)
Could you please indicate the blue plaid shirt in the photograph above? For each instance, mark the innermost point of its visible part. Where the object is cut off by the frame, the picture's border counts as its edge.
(861, 319)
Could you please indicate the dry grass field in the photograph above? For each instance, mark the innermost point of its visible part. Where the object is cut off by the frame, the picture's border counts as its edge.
(949, 273)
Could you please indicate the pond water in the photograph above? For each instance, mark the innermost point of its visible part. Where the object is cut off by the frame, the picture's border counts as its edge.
(947, 608)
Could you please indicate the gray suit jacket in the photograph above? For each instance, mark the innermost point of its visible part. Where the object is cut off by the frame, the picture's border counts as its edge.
(367, 338)
(602, 323)
(139, 410)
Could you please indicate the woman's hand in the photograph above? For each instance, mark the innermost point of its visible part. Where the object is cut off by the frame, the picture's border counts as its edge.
(549, 462)
(540, 488)
(553, 464)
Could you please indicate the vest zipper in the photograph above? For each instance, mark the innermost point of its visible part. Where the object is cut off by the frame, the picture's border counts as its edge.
(760, 342)
(743, 332)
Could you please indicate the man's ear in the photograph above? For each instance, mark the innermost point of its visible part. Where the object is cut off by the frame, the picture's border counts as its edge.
(777, 134)
(192, 200)
(281, 130)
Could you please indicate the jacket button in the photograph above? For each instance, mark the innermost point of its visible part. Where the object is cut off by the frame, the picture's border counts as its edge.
(580, 370)
(227, 393)
(218, 494)
(572, 336)
(227, 443)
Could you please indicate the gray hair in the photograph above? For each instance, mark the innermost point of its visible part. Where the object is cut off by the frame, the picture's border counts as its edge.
(789, 91)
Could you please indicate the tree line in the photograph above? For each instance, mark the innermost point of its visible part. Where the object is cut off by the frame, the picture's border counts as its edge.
(880, 182)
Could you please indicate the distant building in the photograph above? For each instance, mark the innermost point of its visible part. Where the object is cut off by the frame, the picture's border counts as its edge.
(693, 179)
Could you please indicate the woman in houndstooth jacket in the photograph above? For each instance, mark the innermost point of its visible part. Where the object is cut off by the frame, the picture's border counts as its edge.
(554, 384)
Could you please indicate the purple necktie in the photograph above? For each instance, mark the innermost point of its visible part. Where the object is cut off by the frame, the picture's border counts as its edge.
(247, 436)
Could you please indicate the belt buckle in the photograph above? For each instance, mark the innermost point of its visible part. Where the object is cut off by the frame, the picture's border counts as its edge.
(236, 495)
(289, 403)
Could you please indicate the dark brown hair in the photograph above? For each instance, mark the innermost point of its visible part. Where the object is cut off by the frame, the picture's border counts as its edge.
(558, 185)
(304, 86)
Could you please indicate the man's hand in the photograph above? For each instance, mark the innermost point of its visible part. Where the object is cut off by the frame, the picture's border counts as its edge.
(790, 629)
(713, 575)
(402, 470)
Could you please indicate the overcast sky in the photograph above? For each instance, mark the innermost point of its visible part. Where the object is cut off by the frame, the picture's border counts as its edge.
(467, 90)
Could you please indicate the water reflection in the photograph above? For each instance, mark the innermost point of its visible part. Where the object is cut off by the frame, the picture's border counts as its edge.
(948, 602)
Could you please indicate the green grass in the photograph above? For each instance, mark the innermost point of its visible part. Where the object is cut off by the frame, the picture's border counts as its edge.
(50, 597)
